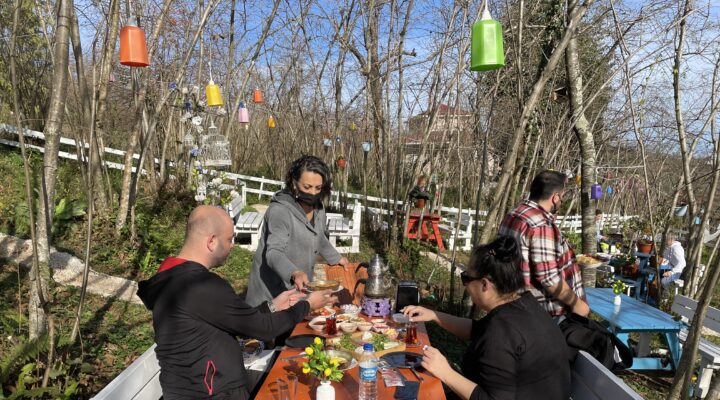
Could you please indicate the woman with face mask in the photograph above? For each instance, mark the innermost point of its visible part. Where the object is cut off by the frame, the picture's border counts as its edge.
(293, 233)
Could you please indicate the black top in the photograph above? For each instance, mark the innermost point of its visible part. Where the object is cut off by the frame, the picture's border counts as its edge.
(517, 351)
(196, 317)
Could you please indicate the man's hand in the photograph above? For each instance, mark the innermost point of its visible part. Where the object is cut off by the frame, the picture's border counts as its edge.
(321, 298)
(581, 308)
(301, 279)
(667, 274)
(344, 263)
(286, 299)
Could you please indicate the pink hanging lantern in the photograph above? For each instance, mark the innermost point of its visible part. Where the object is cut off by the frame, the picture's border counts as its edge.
(243, 114)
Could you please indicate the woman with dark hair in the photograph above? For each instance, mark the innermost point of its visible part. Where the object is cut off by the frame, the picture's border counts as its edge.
(293, 233)
(516, 351)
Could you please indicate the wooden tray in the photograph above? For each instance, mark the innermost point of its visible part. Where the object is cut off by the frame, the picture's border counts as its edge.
(357, 338)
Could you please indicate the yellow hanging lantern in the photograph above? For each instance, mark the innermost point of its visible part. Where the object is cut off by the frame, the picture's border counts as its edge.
(214, 98)
(271, 122)
(353, 126)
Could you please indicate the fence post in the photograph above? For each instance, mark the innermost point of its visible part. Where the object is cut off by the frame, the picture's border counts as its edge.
(262, 185)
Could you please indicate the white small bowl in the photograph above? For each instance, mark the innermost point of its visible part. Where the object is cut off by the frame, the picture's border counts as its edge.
(348, 327)
(351, 309)
(317, 324)
(364, 326)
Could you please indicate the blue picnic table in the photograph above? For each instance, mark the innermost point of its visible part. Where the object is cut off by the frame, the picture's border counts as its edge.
(634, 316)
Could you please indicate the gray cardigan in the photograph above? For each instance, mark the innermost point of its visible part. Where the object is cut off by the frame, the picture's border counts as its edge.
(288, 242)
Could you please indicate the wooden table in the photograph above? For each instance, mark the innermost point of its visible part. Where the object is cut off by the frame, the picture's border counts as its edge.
(431, 233)
(430, 388)
(635, 316)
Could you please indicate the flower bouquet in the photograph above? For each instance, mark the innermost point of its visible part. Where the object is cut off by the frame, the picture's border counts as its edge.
(320, 364)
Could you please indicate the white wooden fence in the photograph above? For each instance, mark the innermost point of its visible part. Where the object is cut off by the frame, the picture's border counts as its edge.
(262, 186)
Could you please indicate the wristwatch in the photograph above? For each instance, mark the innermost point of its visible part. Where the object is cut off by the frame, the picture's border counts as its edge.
(271, 306)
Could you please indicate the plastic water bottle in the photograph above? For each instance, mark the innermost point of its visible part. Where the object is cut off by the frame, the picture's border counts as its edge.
(368, 373)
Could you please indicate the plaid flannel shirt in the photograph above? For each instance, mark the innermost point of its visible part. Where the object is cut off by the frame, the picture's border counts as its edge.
(547, 258)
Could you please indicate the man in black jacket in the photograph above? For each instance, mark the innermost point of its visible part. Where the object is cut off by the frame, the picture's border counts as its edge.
(197, 315)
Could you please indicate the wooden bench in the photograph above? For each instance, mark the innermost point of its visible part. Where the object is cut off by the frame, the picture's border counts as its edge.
(246, 224)
(343, 228)
(709, 352)
(464, 236)
(590, 380)
(141, 380)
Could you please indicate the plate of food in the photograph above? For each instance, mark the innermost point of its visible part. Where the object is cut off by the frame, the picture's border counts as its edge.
(347, 361)
(381, 342)
(588, 261)
(320, 312)
(323, 285)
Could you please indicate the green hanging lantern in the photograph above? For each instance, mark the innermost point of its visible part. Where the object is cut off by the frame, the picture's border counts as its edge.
(487, 44)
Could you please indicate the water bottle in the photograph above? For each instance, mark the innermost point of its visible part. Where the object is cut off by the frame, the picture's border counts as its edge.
(368, 373)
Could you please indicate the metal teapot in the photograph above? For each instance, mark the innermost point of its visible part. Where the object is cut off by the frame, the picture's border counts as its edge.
(376, 285)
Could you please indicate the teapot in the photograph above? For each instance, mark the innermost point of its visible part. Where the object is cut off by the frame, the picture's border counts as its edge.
(376, 284)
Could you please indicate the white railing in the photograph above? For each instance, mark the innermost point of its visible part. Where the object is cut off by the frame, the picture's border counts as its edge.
(268, 187)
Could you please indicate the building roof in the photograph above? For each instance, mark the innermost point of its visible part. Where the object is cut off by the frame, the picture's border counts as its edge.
(444, 109)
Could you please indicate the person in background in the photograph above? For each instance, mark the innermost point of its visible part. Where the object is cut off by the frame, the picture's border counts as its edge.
(548, 264)
(674, 255)
(197, 315)
(419, 193)
(599, 237)
(294, 233)
(516, 351)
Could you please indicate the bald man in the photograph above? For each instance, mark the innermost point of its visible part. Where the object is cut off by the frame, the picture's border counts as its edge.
(197, 315)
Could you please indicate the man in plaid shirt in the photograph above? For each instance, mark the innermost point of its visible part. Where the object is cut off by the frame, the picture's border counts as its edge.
(548, 265)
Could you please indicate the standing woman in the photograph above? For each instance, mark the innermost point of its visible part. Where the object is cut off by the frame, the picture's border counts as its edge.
(516, 351)
(293, 234)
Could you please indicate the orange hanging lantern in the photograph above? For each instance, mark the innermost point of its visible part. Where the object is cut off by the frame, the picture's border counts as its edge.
(257, 96)
(578, 180)
(133, 48)
(214, 98)
(271, 122)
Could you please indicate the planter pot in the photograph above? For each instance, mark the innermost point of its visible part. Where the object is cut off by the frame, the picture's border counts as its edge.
(420, 203)
(618, 300)
(325, 391)
(645, 247)
(341, 163)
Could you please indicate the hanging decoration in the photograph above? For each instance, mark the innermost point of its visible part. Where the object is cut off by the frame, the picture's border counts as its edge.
(257, 96)
(271, 122)
(341, 162)
(681, 211)
(578, 180)
(243, 114)
(327, 142)
(212, 91)
(367, 146)
(353, 126)
(595, 191)
(189, 140)
(487, 51)
(609, 190)
(216, 148)
(133, 47)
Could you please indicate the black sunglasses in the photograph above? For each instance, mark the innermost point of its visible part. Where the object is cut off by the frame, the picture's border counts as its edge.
(466, 278)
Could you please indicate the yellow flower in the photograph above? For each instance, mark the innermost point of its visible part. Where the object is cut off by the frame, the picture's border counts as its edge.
(334, 361)
(328, 371)
(318, 341)
(309, 351)
(306, 370)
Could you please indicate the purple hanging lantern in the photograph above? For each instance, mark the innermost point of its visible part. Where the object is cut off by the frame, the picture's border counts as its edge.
(596, 192)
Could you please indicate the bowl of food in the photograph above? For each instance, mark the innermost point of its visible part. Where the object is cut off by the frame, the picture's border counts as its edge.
(348, 327)
(364, 326)
(345, 359)
(317, 324)
(351, 309)
(322, 285)
(251, 349)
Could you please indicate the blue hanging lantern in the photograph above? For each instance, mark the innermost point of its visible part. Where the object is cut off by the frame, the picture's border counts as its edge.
(595, 191)
(487, 51)
(327, 142)
(681, 211)
(188, 106)
(609, 190)
(366, 146)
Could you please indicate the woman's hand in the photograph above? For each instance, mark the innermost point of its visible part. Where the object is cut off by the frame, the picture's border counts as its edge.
(419, 314)
(301, 279)
(321, 298)
(435, 363)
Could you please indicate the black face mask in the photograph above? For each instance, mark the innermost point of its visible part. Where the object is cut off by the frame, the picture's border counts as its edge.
(308, 199)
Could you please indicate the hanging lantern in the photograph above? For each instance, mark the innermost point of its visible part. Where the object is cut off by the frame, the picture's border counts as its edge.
(595, 191)
(366, 146)
(257, 96)
(338, 139)
(578, 180)
(189, 140)
(341, 162)
(133, 48)
(487, 44)
(327, 142)
(188, 106)
(271, 122)
(215, 148)
(214, 98)
(243, 114)
(681, 211)
(353, 126)
(609, 190)
(111, 78)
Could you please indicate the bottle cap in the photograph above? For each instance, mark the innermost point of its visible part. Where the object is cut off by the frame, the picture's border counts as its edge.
(368, 347)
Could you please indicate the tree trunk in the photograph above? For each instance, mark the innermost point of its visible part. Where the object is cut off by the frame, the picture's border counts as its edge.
(584, 135)
(490, 228)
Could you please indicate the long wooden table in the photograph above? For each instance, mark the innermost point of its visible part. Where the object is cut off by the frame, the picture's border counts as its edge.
(430, 387)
